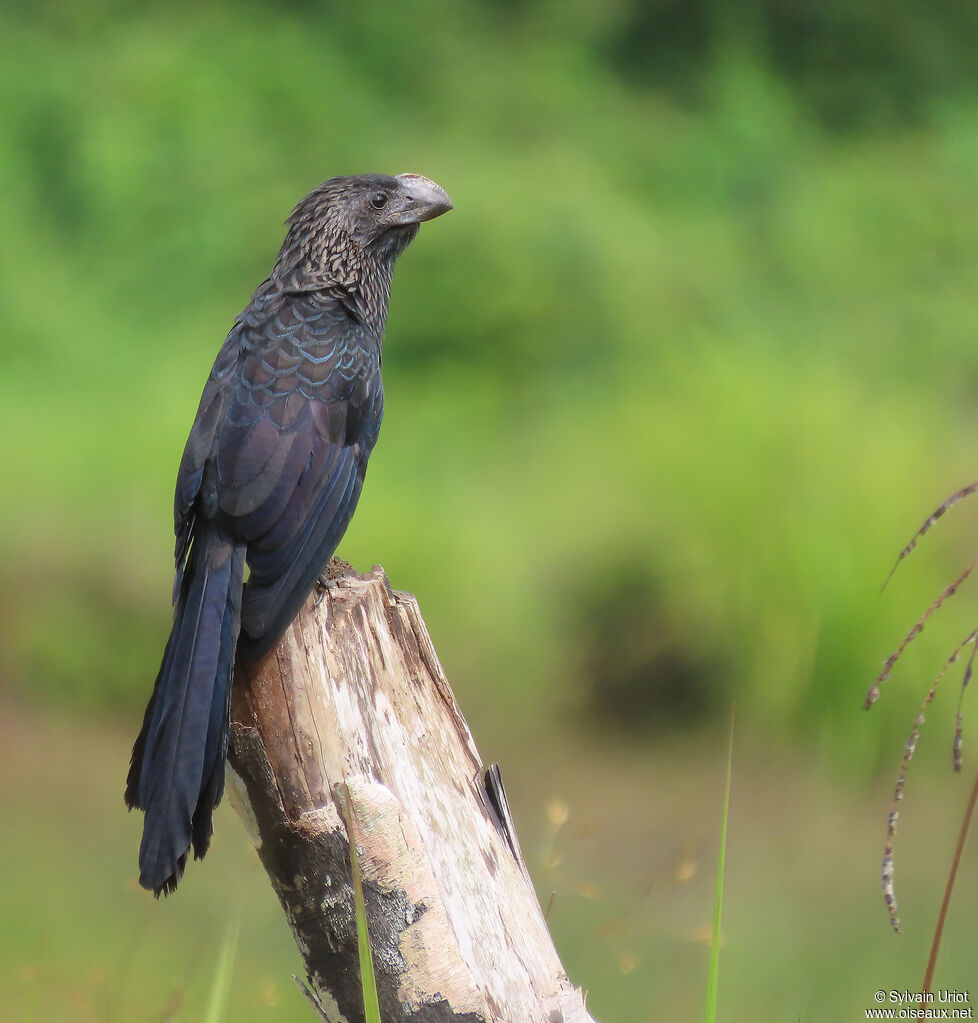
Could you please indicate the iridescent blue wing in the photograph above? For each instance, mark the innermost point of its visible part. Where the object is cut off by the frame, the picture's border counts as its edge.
(302, 403)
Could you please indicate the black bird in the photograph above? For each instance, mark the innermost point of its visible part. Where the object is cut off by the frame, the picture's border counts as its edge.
(270, 477)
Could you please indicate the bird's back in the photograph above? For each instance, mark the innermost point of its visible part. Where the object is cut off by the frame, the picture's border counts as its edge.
(280, 445)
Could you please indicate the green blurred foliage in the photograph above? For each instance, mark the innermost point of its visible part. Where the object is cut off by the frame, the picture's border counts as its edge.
(851, 64)
(682, 371)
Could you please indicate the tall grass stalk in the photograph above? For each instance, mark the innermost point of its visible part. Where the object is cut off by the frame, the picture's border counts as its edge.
(942, 915)
(368, 981)
(221, 985)
(712, 980)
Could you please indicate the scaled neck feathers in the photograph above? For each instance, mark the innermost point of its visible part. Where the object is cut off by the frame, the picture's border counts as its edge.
(321, 254)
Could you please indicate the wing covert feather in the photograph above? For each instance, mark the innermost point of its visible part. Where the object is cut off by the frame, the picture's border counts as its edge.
(302, 414)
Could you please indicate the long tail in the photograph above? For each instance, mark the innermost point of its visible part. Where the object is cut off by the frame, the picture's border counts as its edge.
(177, 771)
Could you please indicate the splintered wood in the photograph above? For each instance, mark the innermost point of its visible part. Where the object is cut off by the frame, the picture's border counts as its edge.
(351, 714)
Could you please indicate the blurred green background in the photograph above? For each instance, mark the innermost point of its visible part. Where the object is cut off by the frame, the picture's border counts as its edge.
(692, 358)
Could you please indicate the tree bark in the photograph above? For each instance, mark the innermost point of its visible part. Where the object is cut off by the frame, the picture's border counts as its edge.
(350, 722)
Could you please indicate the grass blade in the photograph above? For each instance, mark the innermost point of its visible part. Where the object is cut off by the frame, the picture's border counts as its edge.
(368, 981)
(712, 980)
(221, 985)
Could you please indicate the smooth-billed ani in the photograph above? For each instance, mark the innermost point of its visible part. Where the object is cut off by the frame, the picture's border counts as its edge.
(270, 477)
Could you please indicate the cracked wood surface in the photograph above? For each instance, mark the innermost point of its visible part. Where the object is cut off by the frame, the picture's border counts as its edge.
(352, 709)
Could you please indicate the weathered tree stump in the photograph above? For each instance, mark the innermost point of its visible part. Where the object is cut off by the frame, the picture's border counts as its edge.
(351, 721)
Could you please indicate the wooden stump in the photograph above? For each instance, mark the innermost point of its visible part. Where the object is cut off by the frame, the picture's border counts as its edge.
(351, 721)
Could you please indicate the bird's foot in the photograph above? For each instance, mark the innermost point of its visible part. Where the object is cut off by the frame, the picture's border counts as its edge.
(323, 585)
(330, 576)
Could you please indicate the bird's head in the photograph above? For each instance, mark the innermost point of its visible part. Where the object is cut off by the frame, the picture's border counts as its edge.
(350, 224)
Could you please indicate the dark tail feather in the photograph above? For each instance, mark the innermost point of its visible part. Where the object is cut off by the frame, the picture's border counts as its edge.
(177, 770)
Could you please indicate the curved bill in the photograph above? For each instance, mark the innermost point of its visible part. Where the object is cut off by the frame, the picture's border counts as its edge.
(424, 199)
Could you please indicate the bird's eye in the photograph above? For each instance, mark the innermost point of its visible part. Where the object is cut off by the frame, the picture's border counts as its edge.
(378, 200)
